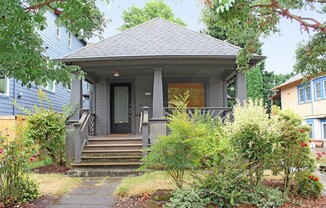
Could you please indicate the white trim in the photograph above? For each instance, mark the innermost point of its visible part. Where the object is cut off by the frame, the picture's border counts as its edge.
(323, 136)
(7, 89)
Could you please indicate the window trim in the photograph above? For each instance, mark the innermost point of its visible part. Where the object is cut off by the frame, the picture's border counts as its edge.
(324, 88)
(304, 90)
(315, 90)
(8, 87)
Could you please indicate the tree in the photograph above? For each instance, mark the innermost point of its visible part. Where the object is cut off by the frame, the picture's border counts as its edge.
(152, 9)
(255, 83)
(21, 48)
(249, 20)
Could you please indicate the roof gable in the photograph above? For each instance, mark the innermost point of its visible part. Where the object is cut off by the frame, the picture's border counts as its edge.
(157, 37)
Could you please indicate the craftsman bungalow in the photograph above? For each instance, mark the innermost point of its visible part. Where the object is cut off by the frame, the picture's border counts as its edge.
(146, 66)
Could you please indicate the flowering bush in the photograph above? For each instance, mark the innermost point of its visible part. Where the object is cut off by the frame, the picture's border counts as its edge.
(292, 153)
(307, 185)
(14, 179)
(253, 134)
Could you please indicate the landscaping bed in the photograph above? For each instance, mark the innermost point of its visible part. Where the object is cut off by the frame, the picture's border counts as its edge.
(51, 169)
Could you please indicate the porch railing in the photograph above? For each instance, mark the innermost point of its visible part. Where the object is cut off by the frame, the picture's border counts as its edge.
(81, 133)
(213, 112)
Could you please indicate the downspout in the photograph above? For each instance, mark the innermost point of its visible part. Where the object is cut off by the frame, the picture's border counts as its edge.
(13, 97)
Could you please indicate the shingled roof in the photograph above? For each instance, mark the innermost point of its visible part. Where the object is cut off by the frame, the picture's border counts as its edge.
(157, 37)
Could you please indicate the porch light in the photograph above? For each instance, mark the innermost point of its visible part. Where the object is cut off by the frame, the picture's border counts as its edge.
(116, 74)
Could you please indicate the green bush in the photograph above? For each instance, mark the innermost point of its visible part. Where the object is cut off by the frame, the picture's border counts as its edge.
(307, 185)
(28, 190)
(14, 158)
(48, 128)
(253, 134)
(292, 153)
(265, 197)
(187, 198)
(191, 144)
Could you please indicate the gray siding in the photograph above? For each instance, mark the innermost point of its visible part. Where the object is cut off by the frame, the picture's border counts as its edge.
(57, 48)
(102, 107)
(214, 95)
(142, 85)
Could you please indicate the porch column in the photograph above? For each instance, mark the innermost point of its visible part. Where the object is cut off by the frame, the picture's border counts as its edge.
(241, 87)
(158, 94)
(92, 98)
(158, 121)
(76, 97)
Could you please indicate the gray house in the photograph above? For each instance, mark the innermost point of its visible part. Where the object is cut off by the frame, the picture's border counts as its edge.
(145, 66)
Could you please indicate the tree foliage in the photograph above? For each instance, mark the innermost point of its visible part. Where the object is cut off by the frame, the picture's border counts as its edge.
(249, 20)
(254, 80)
(21, 47)
(152, 9)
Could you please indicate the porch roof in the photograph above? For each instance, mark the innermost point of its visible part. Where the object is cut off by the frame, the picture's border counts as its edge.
(157, 38)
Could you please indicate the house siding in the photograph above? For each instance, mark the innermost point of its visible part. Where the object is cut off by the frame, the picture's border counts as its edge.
(55, 48)
(215, 92)
(102, 104)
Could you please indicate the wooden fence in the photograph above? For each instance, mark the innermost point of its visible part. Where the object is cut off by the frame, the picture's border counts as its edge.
(12, 125)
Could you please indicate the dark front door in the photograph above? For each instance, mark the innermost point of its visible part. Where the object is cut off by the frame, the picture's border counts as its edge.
(120, 108)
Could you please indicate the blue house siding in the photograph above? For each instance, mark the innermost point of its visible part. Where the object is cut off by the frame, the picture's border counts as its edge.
(55, 48)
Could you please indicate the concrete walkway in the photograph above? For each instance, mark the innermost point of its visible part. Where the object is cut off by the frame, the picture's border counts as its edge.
(93, 192)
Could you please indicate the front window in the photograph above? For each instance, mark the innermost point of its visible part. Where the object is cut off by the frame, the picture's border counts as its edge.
(301, 95)
(308, 93)
(196, 92)
(318, 90)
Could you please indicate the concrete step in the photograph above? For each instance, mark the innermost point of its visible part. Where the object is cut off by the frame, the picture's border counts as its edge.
(114, 140)
(103, 152)
(113, 147)
(107, 165)
(89, 172)
(107, 158)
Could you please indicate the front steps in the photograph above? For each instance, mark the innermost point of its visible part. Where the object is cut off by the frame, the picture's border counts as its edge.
(110, 156)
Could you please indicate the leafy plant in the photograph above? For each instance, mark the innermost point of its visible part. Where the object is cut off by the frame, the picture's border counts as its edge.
(47, 128)
(307, 185)
(14, 158)
(186, 198)
(265, 197)
(253, 136)
(292, 153)
(28, 189)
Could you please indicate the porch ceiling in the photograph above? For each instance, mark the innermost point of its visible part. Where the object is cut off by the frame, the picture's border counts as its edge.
(97, 70)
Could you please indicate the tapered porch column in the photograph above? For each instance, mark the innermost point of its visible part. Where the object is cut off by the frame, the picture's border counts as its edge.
(158, 121)
(241, 87)
(76, 97)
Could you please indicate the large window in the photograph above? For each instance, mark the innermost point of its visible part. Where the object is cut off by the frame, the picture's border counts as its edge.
(196, 91)
(304, 93)
(4, 86)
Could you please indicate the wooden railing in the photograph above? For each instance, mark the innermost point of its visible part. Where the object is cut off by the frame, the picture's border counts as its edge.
(91, 125)
(81, 133)
(214, 112)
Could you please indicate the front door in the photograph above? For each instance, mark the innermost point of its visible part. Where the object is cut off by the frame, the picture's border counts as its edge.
(120, 108)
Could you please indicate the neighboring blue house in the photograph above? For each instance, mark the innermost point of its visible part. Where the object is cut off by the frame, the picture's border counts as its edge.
(58, 43)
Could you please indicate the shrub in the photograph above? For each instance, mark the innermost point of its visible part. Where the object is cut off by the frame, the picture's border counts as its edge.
(307, 185)
(265, 197)
(14, 158)
(292, 153)
(47, 128)
(253, 134)
(28, 189)
(187, 198)
(192, 142)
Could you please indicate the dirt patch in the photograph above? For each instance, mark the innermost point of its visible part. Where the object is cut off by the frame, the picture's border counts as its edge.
(42, 202)
(51, 169)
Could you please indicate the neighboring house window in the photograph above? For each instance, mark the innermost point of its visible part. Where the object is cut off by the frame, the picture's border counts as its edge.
(50, 86)
(324, 88)
(324, 130)
(308, 93)
(58, 32)
(69, 39)
(310, 132)
(4, 86)
(196, 92)
(318, 90)
(301, 95)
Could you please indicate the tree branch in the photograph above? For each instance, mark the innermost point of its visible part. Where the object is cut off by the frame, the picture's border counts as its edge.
(40, 5)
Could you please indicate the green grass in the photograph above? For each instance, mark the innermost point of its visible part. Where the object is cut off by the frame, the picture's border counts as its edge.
(40, 163)
(147, 183)
(322, 161)
(55, 184)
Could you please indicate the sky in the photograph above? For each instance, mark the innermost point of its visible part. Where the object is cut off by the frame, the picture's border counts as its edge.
(279, 48)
